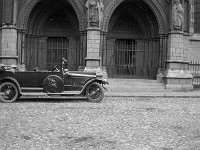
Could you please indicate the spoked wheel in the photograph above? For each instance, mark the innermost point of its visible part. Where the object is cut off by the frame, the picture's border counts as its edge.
(94, 92)
(8, 92)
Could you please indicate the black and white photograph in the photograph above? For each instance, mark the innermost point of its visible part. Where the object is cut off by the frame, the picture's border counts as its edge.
(99, 74)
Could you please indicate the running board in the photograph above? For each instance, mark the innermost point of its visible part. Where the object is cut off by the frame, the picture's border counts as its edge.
(29, 89)
(52, 96)
(63, 95)
(40, 91)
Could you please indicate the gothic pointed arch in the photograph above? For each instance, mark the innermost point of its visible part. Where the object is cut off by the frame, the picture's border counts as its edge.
(29, 5)
(153, 5)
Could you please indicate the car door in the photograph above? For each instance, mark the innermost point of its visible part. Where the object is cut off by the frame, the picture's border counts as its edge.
(34, 78)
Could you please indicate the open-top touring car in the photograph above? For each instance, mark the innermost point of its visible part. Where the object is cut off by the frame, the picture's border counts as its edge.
(15, 83)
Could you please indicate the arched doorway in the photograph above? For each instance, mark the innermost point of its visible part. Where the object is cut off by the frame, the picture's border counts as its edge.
(134, 47)
(52, 33)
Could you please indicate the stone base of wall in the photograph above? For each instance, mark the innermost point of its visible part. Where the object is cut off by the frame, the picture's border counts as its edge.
(179, 87)
(178, 80)
(8, 60)
(159, 77)
(177, 77)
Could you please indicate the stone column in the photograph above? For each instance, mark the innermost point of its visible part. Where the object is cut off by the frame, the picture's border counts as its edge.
(177, 75)
(94, 13)
(103, 52)
(82, 50)
(93, 50)
(9, 55)
(20, 46)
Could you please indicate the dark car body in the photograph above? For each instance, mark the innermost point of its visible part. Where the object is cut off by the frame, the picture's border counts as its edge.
(49, 82)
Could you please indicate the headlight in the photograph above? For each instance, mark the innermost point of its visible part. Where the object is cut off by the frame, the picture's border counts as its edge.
(105, 81)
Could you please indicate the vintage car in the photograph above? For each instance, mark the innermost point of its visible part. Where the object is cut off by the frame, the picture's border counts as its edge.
(15, 83)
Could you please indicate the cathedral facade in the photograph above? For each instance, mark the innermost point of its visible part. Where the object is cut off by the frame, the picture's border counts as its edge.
(153, 39)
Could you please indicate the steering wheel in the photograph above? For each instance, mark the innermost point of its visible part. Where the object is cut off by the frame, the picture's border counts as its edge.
(55, 68)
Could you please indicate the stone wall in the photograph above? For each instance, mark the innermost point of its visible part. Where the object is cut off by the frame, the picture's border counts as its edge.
(194, 51)
(186, 48)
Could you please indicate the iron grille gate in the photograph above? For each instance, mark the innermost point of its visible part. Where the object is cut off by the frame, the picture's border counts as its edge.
(136, 58)
(124, 53)
(194, 68)
(56, 49)
(44, 52)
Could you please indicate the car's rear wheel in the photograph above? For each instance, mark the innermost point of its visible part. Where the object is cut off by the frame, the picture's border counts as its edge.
(8, 92)
(94, 92)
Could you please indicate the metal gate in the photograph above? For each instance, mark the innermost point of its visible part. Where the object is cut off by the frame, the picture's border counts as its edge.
(125, 60)
(56, 49)
(44, 52)
(136, 58)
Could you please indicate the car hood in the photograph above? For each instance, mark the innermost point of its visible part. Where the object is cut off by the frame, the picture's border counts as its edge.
(81, 73)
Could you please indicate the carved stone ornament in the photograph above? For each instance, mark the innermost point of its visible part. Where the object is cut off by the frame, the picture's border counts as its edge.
(94, 12)
(177, 15)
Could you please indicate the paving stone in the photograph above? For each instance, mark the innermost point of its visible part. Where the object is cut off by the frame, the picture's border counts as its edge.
(129, 123)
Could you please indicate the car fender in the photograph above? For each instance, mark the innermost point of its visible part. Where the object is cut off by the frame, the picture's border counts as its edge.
(13, 81)
(100, 81)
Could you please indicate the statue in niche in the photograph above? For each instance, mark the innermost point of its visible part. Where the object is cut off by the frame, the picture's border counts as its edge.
(101, 10)
(94, 12)
(177, 15)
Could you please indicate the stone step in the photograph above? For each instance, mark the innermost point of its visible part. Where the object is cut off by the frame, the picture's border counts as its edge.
(116, 80)
(134, 85)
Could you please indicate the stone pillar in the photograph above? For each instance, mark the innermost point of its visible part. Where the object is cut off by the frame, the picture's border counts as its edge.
(83, 50)
(103, 52)
(94, 13)
(177, 75)
(9, 55)
(93, 50)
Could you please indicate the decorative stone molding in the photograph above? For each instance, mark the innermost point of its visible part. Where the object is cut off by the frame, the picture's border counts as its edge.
(28, 6)
(182, 74)
(154, 5)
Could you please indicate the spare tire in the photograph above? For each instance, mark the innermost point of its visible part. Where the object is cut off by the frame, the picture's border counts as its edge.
(53, 84)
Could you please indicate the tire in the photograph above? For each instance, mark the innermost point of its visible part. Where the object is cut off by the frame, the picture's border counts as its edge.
(53, 84)
(8, 92)
(94, 92)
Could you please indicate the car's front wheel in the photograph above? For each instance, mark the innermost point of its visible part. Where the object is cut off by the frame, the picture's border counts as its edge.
(94, 92)
(8, 92)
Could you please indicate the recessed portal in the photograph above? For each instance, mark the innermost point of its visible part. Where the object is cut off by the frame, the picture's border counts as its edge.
(134, 47)
(52, 33)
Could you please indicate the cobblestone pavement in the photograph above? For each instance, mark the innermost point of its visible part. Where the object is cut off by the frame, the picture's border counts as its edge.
(115, 123)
